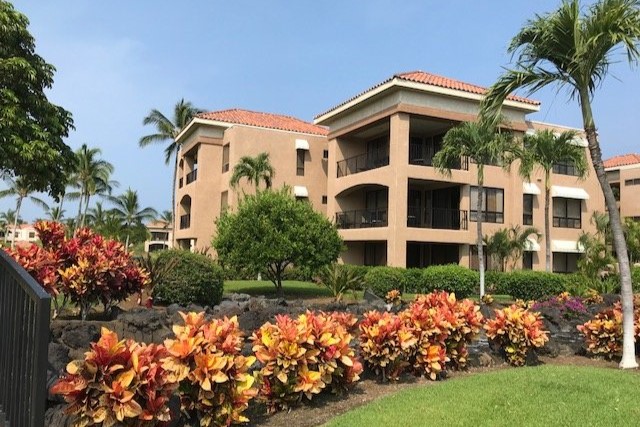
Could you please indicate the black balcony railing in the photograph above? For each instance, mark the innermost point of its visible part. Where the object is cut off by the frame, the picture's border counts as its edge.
(185, 221)
(192, 176)
(422, 155)
(488, 216)
(363, 162)
(438, 218)
(24, 328)
(362, 218)
(564, 222)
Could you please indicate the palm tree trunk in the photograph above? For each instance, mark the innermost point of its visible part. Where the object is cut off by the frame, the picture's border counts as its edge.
(60, 209)
(479, 218)
(15, 222)
(77, 224)
(126, 245)
(547, 225)
(619, 242)
(173, 200)
(84, 212)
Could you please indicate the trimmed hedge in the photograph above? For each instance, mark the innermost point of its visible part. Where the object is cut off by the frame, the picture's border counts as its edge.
(383, 279)
(531, 285)
(196, 279)
(451, 278)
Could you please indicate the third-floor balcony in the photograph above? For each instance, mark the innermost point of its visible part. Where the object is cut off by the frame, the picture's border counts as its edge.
(192, 176)
(362, 218)
(437, 218)
(363, 162)
(185, 221)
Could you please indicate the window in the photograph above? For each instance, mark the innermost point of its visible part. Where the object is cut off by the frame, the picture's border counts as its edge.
(635, 181)
(565, 168)
(324, 200)
(224, 201)
(325, 154)
(527, 260)
(300, 158)
(527, 210)
(567, 213)
(225, 158)
(32, 234)
(565, 262)
(492, 205)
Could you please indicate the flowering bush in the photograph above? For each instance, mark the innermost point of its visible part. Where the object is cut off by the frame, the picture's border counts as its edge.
(386, 343)
(516, 331)
(215, 383)
(568, 306)
(592, 296)
(300, 357)
(118, 383)
(487, 299)
(394, 297)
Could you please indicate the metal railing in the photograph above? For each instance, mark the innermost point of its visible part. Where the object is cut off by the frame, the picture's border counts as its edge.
(362, 218)
(24, 342)
(422, 155)
(363, 162)
(488, 216)
(438, 218)
(192, 176)
(185, 221)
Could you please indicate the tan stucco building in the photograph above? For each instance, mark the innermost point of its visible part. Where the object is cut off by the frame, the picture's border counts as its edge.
(160, 236)
(367, 165)
(623, 173)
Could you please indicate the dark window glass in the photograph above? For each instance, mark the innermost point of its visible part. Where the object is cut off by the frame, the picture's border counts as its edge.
(565, 168)
(565, 262)
(324, 200)
(325, 154)
(527, 212)
(492, 205)
(300, 158)
(567, 213)
(527, 260)
(225, 158)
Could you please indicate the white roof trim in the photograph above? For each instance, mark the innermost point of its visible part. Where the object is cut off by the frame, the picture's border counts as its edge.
(300, 191)
(198, 121)
(302, 144)
(566, 246)
(530, 188)
(569, 192)
(531, 245)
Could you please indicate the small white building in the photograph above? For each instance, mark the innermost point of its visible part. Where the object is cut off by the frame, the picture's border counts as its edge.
(23, 233)
(161, 236)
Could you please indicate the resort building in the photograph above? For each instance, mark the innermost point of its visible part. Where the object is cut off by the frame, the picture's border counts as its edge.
(160, 236)
(394, 208)
(367, 164)
(23, 234)
(213, 143)
(623, 173)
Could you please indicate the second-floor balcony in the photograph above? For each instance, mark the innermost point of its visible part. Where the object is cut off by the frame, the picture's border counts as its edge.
(437, 218)
(422, 155)
(363, 162)
(192, 176)
(185, 221)
(362, 218)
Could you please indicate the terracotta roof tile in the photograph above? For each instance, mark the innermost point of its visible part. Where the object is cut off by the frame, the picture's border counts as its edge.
(264, 120)
(434, 80)
(622, 160)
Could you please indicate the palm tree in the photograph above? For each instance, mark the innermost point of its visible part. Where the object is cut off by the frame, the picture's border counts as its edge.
(55, 213)
(519, 240)
(484, 144)
(166, 216)
(509, 243)
(7, 218)
(572, 47)
(96, 216)
(166, 133)
(127, 208)
(92, 177)
(543, 150)
(254, 170)
(20, 189)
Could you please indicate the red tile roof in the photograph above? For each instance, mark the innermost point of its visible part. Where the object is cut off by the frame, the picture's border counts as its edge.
(434, 80)
(622, 160)
(264, 120)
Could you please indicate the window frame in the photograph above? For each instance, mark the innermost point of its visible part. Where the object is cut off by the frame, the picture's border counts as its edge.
(493, 217)
(527, 217)
(301, 159)
(225, 158)
(566, 167)
(566, 221)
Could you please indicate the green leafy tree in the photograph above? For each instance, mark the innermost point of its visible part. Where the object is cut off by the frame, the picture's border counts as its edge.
(632, 235)
(20, 188)
(509, 244)
(484, 144)
(166, 132)
(254, 170)
(270, 231)
(127, 208)
(572, 48)
(31, 128)
(543, 150)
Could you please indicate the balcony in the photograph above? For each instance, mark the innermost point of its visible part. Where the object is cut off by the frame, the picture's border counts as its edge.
(422, 155)
(192, 176)
(185, 221)
(437, 218)
(363, 162)
(362, 218)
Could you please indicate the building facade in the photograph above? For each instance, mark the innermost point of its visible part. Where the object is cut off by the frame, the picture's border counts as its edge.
(623, 173)
(160, 236)
(23, 234)
(394, 208)
(213, 143)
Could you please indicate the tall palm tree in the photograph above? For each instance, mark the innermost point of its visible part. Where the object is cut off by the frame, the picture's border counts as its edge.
(96, 216)
(509, 243)
(572, 47)
(254, 170)
(543, 150)
(127, 208)
(519, 240)
(484, 144)
(55, 213)
(167, 131)
(6, 219)
(92, 177)
(20, 189)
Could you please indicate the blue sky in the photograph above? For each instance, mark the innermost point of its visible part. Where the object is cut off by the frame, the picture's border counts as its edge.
(118, 59)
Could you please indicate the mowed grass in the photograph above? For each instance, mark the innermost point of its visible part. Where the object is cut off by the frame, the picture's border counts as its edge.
(534, 396)
(292, 289)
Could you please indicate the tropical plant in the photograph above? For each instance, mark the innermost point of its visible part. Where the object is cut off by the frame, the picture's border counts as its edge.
(127, 208)
(543, 150)
(573, 47)
(19, 188)
(498, 247)
(632, 236)
(55, 213)
(484, 144)
(339, 280)
(166, 132)
(519, 239)
(254, 170)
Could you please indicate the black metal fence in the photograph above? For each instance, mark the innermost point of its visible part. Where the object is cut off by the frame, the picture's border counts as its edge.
(363, 162)
(24, 341)
(362, 218)
(439, 218)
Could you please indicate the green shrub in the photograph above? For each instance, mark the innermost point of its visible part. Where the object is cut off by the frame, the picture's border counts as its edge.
(451, 278)
(635, 278)
(383, 279)
(577, 284)
(299, 274)
(357, 270)
(531, 285)
(492, 281)
(413, 280)
(195, 279)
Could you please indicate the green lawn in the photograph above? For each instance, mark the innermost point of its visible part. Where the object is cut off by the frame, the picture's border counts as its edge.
(292, 289)
(535, 396)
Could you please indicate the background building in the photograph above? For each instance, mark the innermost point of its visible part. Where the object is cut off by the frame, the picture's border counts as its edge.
(23, 234)
(160, 236)
(623, 173)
